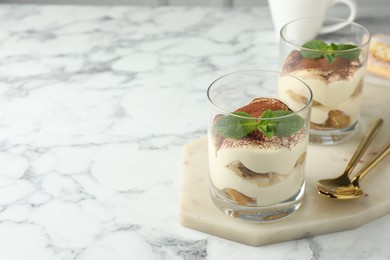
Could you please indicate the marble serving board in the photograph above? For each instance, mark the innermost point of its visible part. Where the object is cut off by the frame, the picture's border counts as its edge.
(317, 215)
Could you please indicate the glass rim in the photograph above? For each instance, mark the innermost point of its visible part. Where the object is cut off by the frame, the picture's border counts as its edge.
(348, 22)
(230, 113)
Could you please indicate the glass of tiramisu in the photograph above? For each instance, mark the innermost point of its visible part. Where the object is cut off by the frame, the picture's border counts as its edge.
(333, 63)
(257, 144)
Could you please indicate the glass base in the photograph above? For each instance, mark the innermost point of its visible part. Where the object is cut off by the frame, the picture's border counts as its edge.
(330, 137)
(258, 214)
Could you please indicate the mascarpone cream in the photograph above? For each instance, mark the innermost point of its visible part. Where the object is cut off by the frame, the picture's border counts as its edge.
(280, 170)
(255, 170)
(336, 87)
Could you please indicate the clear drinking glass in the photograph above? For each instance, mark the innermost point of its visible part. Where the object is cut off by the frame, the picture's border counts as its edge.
(257, 141)
(333, 64)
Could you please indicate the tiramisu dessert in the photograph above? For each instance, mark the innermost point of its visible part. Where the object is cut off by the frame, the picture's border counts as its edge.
(256, 155)
(335, 76)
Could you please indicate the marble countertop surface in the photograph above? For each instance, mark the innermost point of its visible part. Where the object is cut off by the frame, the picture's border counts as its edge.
(96, 104)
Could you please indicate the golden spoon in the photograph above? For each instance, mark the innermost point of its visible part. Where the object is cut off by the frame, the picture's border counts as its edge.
(329, 185)
(353, 190)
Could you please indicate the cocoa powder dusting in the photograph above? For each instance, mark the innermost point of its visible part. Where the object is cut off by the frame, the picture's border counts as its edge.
(340, 68)
(274, 143)
(257, 138)
(259, 105)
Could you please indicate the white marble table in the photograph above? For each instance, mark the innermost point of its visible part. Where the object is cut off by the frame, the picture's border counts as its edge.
(96, 104)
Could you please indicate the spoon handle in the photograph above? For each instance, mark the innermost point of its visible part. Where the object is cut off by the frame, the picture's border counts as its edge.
(371, 164)
(364, 143)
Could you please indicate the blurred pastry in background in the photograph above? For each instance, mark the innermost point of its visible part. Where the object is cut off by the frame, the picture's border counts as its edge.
(379, 56)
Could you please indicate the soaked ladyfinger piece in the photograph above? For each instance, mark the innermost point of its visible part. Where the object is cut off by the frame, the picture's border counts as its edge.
(239, 197)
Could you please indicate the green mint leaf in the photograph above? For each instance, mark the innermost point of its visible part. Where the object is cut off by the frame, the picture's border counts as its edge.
(332, 47)
(267, 131)
(289, 125)
(329, 52)
(330, 57)
(311, 54)
(282, 127)
(267, 114)
(353, 54)
(316, 46)
(280, 113)
(235, 127)
(265, 125)
(342, 47)
(231, 126)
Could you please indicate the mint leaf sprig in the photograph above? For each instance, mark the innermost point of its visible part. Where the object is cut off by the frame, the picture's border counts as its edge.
(235, 127)
(329, 52)
(231, 126)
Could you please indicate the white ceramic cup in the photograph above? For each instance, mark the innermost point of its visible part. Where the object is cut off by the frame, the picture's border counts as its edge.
(284, 11)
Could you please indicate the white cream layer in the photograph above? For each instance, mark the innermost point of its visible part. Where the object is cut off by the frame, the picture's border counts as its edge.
(330, 94)
(336, 95)
(351, 107)
(282, 161)
(319, 113)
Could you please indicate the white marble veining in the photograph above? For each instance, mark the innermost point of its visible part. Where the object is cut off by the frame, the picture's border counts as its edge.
(96, 104)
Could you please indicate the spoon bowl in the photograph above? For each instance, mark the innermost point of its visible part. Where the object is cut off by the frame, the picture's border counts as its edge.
(355, 193)
(342, 184)
(353, 189)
